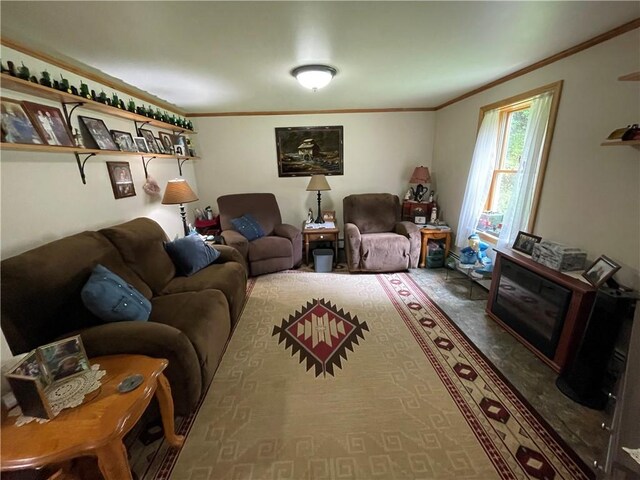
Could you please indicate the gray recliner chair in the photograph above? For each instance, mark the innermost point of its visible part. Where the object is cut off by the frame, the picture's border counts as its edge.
(375, 239)
(280, 248)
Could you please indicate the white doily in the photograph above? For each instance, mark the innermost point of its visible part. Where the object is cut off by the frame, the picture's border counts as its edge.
(65, 394)
(634, 452)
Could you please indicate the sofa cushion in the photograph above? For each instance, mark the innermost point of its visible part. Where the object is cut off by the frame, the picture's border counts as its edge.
(190, 254)
(111, 299)
(141, 244)
(248, 227)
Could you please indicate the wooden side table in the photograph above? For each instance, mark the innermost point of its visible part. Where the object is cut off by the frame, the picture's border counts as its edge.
(321, 235)
(432, 234)
(97, 427)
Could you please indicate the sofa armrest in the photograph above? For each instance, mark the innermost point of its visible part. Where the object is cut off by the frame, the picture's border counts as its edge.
(236, 240)
(230, 254)
(287, 231)
(412, 232)
(352, 241)
(154, 340)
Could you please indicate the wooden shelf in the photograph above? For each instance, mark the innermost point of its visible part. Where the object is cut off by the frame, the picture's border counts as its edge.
(630, 77)
(23, 86)
(619, 143)
(24, 147)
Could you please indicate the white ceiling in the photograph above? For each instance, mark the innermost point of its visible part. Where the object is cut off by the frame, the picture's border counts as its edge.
(236, 56)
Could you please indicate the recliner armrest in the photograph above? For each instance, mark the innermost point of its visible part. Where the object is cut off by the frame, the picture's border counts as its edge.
(236, 240)
(229, 254)
(407, 228)
(352, 242)
(287, 231)
(411, 231)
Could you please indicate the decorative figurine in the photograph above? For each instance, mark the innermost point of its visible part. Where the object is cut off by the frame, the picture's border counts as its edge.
(33, 79)
(309, 217)
(131, 106)
(23, 72)
(431, 196)
(11, 68)
(74, 90)
(115, 101)
(64, 84)
(102, 97)
(84, 90)
(94, 97)
(46, 79)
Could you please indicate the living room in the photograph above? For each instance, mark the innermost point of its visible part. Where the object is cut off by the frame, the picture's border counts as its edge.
(590, 195)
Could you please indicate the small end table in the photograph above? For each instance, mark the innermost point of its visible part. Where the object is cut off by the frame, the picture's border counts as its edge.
(433, 234)
(320, 235)
(97, 427)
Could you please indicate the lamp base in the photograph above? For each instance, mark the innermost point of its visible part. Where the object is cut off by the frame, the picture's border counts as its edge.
(319, 218)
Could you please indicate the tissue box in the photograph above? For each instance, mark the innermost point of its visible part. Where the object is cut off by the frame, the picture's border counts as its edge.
(559, 257)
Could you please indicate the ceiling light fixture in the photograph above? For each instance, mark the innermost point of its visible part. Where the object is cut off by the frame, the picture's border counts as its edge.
(314, 77)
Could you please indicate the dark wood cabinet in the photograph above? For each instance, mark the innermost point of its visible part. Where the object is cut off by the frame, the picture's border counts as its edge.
(411, 209)
(545, 310)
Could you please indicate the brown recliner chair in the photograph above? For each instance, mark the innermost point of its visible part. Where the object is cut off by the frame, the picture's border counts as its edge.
(279, 249)
(375, 239)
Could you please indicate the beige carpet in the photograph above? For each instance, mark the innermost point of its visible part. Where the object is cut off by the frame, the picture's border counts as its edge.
(331, 376)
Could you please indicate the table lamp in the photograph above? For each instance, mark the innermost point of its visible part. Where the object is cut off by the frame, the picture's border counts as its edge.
(318, 183)
(420, 175)
(179, 192)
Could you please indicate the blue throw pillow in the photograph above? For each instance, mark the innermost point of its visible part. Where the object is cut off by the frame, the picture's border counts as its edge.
(248, 227)
(111, 299)
(190, 254)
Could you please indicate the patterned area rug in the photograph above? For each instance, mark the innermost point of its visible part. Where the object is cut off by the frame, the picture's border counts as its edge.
(359, 377)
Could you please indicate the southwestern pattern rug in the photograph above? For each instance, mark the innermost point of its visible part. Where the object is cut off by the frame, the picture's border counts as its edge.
(332, 376)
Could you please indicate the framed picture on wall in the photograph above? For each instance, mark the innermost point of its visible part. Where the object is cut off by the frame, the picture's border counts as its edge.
(16, 125)
(50, 124)
(306, 151)
(121, 179)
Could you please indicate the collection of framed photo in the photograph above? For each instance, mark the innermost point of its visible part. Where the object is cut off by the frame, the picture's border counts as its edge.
(43, 368)
(597, 274)
(36, 124)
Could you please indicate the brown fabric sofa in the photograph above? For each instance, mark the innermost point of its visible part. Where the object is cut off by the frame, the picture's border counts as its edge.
(279, 249)
(191, 317)
(374, 237)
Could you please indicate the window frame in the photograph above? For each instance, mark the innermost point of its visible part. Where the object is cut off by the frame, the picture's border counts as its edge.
(507, 106)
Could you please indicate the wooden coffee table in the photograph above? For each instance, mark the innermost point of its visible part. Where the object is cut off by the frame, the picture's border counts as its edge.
(97, 427)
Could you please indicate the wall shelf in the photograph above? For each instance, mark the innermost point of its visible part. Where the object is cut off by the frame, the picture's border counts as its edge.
(30, 88)
(23, 147)
(620, 143)
(630, 77)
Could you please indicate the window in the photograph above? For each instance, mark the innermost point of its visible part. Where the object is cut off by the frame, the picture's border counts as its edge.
(508, 165)
(510, 140)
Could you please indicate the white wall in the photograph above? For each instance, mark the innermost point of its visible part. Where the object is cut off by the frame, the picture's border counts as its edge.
(380, 152)
(591, 194)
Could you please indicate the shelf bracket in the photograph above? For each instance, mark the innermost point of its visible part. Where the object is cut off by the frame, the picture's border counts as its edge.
(67, 114)
(81, 165)
(145, 165)
(180, 163)
(139, 125)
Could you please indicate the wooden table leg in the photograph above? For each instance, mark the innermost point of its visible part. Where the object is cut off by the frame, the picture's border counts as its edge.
(113, 461)
(306, 249)
(163, 394)
(335, 249)
(423, 251)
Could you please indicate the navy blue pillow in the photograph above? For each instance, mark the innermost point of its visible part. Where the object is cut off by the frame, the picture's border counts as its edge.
(190, 254)
(248, 227)
(111, 299)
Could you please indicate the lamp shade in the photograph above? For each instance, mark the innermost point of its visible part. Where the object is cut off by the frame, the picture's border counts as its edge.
(420, 175)
(178, 191)
(318, 183)
(314, 77)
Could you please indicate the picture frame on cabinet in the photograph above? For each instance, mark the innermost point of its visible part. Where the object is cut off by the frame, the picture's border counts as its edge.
(124, 140)
(151, 140)
(141, 144)
(121, 180)
(50, 123)
(600, 271)
(16, 124)
(524, 242)
(167, 141)
(96, 134)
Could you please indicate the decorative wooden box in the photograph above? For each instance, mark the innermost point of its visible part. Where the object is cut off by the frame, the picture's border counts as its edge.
(559, 257)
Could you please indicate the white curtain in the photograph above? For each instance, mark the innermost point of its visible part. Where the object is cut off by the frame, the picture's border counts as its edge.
(516, 217)
(479, 180)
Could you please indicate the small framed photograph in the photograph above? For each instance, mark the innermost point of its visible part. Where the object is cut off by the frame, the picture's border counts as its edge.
(64, 358)
(97, 133)
(167, 141)
(151, 141)
(141, 144)
(124, 140)
(525, 241)
(180, 146)
(16, 125)
(600, 271)
(50, 124)
(420, 220)
(121, 179)
(160, 146)
(28, 381)
(329, 215)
